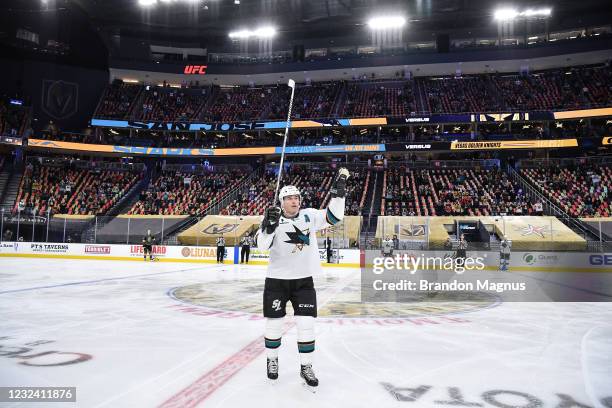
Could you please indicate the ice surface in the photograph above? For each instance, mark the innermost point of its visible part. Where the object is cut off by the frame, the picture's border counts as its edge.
(131, 334)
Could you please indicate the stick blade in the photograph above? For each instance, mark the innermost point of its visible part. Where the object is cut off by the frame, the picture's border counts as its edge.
(291, 83)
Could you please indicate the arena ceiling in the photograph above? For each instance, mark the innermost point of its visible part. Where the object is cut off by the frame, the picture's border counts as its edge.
(208, 22)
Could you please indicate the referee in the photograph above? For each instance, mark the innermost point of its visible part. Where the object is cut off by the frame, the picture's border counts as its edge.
(220, 249)
(462, 249)
(245, 243)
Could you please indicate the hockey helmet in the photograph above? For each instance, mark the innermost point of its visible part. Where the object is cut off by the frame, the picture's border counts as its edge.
(288, 191)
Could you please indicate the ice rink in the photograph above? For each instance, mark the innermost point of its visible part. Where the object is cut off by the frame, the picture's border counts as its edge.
(135, 334)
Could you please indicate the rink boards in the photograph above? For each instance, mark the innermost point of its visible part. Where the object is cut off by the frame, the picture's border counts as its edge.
(519, 261)
(190, 254)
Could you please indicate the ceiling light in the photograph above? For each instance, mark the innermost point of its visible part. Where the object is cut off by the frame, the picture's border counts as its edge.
(505, 14)
(383, 22)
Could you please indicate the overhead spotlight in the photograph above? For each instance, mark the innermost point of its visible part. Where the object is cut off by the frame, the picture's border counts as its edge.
(242, 34)
(265, 32)
(236, 1)
(262, 32)
(544, 12)
(146, 3)
(386, 22)
(505, 14)
(511, 14)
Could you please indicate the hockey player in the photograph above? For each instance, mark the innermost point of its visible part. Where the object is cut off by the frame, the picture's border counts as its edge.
(290, 234)
(147, 245)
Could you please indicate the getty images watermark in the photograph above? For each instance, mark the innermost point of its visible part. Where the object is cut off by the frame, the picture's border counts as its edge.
(458, 265)
(408, 276)
(413, 263)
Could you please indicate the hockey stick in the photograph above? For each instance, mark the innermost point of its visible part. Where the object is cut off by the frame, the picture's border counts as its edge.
(280, 169)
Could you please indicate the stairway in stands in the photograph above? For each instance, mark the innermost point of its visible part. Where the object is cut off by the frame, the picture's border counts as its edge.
(11, 177)
(371, 209)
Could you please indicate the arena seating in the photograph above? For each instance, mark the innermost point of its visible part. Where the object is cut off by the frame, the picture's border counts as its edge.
(117, 100)
(313, 185)
(469, 94)
(64, 189)
(242, 103)
(548, 90)
(310, 101)
(572, 88)
(180, 193)
(379, 99)
(581, 191)
(452, 192)
(170, 104)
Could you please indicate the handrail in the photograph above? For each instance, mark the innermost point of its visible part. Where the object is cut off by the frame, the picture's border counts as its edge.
(559, 162)
(553, 209)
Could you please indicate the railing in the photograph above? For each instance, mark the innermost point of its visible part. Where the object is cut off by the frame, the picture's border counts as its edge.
(198, 169)
(91, 165)
(445, 164)
(589, 234)
(605, 160)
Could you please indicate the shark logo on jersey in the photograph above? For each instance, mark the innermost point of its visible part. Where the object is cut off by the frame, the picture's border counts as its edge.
(299, 238)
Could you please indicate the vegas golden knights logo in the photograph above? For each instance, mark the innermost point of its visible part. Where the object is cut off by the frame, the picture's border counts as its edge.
(416, 230)
(215, 229)
(60, 99)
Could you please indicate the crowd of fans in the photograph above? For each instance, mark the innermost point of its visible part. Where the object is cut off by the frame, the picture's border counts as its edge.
(65, 189)
(241, 104)
(380, 99)
(315, 100)
(180, 193)
(573, 88)
(581, 191)
(548, 90)
(117, 100)
(314, 188)
(440, 192)
(170, 104)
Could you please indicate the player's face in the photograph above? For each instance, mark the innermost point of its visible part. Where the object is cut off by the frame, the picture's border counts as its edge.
(291, 205)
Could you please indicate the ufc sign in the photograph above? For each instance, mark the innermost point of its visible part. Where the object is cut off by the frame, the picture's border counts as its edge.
(195, 69)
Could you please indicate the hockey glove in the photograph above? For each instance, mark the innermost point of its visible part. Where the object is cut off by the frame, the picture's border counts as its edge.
(339, 187)
(270, 220)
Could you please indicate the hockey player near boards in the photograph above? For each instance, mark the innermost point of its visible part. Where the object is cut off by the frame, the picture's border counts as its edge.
(220, 249)
(147, 245)
(290, 234)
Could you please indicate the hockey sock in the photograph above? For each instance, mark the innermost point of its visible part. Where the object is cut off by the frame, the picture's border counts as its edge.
(305, 338)
(273, 335)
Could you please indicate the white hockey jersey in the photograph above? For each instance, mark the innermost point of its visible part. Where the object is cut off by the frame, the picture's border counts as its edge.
(387, 246)
(294, 252)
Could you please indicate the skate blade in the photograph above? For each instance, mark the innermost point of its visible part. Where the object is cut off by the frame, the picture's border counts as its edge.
(272, 382)
(310, 388)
